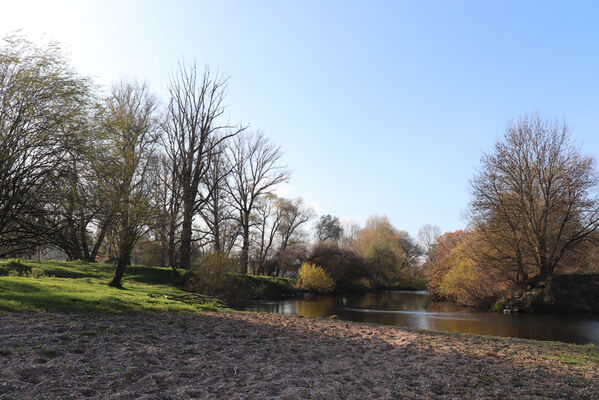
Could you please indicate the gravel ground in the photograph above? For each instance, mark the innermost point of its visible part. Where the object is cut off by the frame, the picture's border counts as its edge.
(267, 356)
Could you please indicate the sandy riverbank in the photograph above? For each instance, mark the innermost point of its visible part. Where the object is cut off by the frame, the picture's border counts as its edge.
(264, 356)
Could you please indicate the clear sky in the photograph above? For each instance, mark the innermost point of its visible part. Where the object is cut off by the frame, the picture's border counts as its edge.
(380, 107)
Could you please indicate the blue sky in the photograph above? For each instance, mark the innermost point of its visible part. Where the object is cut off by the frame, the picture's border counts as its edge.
(380, 107)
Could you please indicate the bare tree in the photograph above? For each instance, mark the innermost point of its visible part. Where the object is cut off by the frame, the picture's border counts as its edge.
(193, 133)
(217, 214)
(350, 233)
(161, 195)
(411, 250)
(132, 134)
(276, 223)
(266, 220)
(534, 198)
(256, 171)
(294, 214)
(428, 236)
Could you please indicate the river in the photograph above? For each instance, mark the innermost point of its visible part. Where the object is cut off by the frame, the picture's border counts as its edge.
(416, 309)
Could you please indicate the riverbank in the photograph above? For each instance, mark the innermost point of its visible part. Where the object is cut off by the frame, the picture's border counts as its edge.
(240, 287)
(246, 356)
(569, 293)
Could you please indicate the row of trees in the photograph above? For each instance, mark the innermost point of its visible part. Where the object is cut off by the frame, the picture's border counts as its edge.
(121, 174)
(90, 175)
(375, 256)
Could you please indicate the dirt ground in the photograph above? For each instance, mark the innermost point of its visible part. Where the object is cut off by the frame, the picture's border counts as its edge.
(263, 356)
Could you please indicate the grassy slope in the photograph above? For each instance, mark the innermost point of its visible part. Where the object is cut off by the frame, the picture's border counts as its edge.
(80, 286)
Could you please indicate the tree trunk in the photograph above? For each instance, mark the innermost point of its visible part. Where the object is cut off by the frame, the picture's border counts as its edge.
(122, 262)
(245, 248)
(118, 273)
(83, 240)
(172, 230)
(544, 266)
(217, 245)
(99, 241)
(216, 221)
(186, 242)
(188, 202)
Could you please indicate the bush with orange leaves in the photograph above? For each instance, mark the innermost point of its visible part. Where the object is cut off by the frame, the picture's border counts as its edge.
(455, 272)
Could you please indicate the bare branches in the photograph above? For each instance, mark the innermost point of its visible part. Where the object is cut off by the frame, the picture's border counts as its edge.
(534, 200)
(254, 174)
(87, 176)
(193, 134)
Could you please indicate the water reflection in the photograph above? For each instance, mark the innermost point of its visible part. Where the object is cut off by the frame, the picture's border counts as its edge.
(418, 310)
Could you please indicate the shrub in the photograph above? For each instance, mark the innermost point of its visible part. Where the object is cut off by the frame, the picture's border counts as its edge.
(216, 275)
(212, 275)
(469, 285)
(313, 278)
(347, 268)
(468, 282)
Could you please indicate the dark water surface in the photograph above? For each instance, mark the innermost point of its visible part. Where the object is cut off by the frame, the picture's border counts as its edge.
(418, 310)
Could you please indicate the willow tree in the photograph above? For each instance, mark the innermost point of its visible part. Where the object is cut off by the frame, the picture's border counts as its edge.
(41, 101)
(380, 245)
(534, 199)
(329, 228)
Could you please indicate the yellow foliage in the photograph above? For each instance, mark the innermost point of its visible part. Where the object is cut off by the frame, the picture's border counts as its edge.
(311, 277)
(467, 282)
(380, 245)
(439, 261)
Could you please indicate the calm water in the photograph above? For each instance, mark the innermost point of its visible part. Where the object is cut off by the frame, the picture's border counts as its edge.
(417, 310)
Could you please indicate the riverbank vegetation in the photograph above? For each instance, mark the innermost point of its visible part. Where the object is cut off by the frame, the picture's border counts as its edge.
(534, 214)
(218, 275)
(313, 278)
(120, 176)
(123, 177)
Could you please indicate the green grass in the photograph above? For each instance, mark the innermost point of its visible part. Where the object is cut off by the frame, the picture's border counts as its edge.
(80, 286)
(577, 355)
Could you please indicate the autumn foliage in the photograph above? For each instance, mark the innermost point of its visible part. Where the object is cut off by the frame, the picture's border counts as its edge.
(442, 258)
(455, 272)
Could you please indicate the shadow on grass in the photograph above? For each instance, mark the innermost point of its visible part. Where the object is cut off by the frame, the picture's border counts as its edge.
(18, 296)
(81, 269)
(149, 275)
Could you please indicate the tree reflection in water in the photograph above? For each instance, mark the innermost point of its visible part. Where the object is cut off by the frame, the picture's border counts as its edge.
(418, 310)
